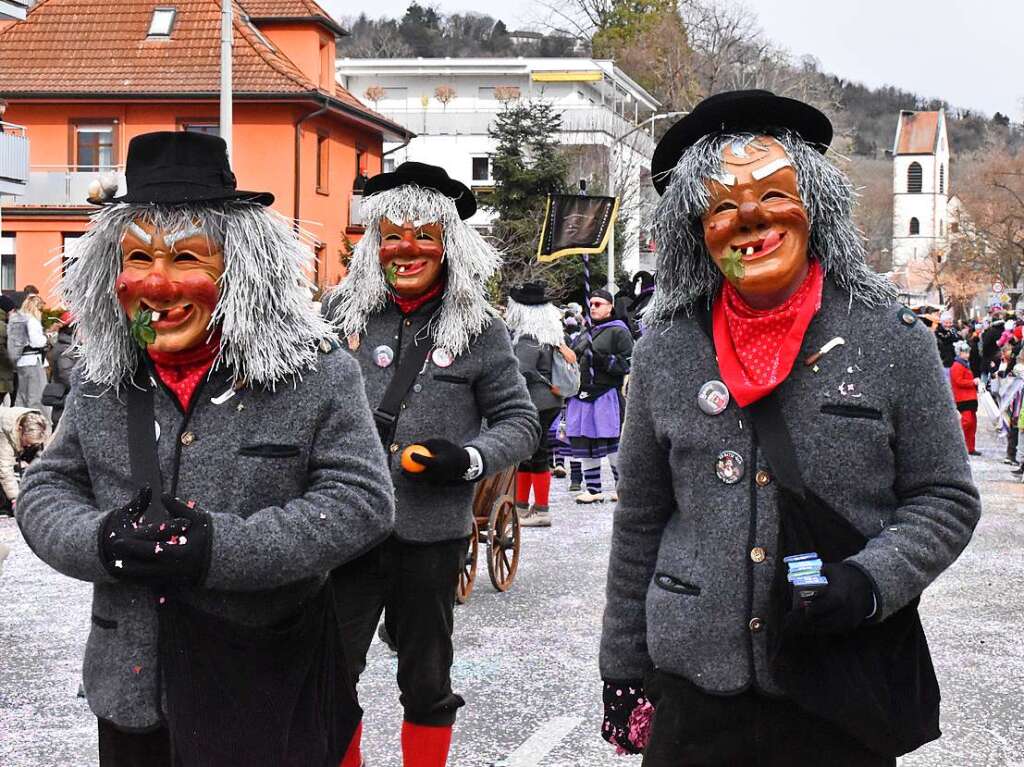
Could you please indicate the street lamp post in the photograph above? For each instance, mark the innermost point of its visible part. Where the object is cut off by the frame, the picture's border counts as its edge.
(226, 41)
(611, 183)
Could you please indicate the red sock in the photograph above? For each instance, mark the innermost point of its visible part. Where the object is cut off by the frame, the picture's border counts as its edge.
(541, 488)
(424, 746)
(353, 756)
(524, 481)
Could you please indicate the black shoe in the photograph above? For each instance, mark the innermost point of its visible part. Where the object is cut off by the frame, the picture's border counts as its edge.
(1019, 471)
(974, 452)
(1009, 461)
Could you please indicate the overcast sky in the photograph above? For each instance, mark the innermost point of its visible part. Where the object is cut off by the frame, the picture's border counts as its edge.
(968, 52)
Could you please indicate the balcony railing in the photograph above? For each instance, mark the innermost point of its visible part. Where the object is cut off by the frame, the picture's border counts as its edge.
(13, 158)
(580, 125)
(59, 185)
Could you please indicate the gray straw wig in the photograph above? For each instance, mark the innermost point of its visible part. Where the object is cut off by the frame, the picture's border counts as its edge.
(270, 327)
(686, 275)
(470, 260)
(541, 321)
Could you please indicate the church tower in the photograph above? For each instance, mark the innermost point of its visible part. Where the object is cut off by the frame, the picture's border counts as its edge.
(920, 185)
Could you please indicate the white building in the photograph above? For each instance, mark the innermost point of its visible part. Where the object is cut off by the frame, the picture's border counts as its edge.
(920, 186)
(451, 103)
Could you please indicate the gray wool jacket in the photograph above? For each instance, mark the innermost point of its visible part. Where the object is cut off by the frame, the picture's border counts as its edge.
(481, 385)
(294, 481)
(876, 435)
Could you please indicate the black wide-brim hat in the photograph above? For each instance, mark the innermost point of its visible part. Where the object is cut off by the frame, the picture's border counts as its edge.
(180, 167)
(428, 177)
(530, 294)
(738, 111)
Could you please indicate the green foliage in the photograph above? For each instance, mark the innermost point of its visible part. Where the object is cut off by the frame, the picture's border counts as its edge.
(528, 165)
(141, 329)
(732, 265)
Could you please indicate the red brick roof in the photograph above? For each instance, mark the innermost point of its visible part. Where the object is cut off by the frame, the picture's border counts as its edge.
(291, 10)
(93, 47)
(919, 132)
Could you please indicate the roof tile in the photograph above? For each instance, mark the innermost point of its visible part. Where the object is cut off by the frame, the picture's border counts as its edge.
(918, 132)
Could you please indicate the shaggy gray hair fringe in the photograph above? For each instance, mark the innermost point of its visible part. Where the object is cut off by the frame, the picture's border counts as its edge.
(270, 327)
(471, 261)
(685, 272)
(543, 322)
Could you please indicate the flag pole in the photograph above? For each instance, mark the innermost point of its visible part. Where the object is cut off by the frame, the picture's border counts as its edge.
(226, 41)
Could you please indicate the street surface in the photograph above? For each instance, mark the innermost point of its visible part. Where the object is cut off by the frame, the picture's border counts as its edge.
(526, 661)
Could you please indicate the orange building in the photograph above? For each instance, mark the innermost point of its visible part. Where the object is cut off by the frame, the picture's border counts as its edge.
(85, 76)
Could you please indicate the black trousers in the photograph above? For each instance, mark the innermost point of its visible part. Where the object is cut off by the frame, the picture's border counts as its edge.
(694, 729)
(1012, 437)
(133, 749)
(540, 461)
(414, 585)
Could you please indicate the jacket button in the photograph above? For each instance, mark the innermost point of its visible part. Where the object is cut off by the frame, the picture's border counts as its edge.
(408, 323)
(757, 554)
(188, 438)
(762, 478)
(394, 447)
(756, 624)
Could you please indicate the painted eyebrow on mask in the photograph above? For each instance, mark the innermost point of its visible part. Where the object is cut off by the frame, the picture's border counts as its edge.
(759, 174)
(141, 233)
(725, 179)
(175, 237)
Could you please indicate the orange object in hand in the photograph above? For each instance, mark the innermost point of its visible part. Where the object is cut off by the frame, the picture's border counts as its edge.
(411, 466)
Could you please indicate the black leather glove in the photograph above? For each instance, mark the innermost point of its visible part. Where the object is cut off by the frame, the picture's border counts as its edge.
(843, 606)
(446, 465)
(626, 715)
(126, 522)
(176, 551)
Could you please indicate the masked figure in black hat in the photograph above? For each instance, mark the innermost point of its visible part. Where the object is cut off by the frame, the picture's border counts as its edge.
(214, 462)
(436, 362)
(775, 411)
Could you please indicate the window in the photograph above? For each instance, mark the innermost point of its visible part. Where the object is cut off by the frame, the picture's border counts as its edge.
(914, 178)
(209, 127)
(942, 228)
(954, 227)
(162, 22)
(93, 145)
(361, 177)
(7, 262)
(942, 178)
(485, 92)
(481, 168)
(70, 240)
(915, 226)
(326, 65)
(396, 94)
(323, 163)
(389, 165)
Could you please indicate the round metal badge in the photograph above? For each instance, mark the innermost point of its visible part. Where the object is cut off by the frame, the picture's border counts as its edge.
(441, 357)
(729, 467)
(713, 398)
(383, 356)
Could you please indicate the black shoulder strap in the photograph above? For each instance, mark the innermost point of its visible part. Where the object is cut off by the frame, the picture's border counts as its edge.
(409, 366)
(142, 453)
(773, 435)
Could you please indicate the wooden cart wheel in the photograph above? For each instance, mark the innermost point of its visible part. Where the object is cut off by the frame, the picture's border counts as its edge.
(503, 540)
(468, 572)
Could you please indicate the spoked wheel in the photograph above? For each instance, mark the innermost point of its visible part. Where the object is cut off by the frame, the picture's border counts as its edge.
(468, 572)
(503, 539)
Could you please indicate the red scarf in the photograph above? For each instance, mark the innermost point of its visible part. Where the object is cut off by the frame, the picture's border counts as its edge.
(409, 305)
(182, 371)
(756, 348)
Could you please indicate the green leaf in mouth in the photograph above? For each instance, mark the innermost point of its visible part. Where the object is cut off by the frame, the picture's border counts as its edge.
(141, 328)
(732, 265)
(391, 274)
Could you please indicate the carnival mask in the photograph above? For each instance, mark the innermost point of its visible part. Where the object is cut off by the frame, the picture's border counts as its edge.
(170, 278)
(412, 256)
(756, 226)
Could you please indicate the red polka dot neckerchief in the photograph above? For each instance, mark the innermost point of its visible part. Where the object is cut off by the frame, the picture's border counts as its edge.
(182, 372)
(756, 348)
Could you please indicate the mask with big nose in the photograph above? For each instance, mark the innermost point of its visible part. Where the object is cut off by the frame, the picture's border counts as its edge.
(411, 255)
(173, 275)
(756, 227)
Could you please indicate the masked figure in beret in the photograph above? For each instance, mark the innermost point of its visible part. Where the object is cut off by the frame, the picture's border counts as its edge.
(781, 405)
(215, 461)
(437, 362)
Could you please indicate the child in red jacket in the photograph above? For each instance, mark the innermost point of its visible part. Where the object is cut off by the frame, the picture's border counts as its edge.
(965, 392)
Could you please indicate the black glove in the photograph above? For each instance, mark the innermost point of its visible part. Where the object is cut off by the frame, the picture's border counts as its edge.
(623, 697)
(176, 551)
(447, 463)
(843, 606)
(126, 522)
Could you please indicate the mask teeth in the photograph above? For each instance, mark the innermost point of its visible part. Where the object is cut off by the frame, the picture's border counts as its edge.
(156, 316)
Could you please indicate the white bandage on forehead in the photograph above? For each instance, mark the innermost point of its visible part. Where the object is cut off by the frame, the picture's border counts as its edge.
(758, 174)
(725, 179)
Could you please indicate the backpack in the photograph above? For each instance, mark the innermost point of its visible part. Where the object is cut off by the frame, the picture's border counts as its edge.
(564, 376)
(17, 337)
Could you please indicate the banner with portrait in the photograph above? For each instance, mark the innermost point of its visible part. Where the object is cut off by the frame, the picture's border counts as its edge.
(576, 225)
